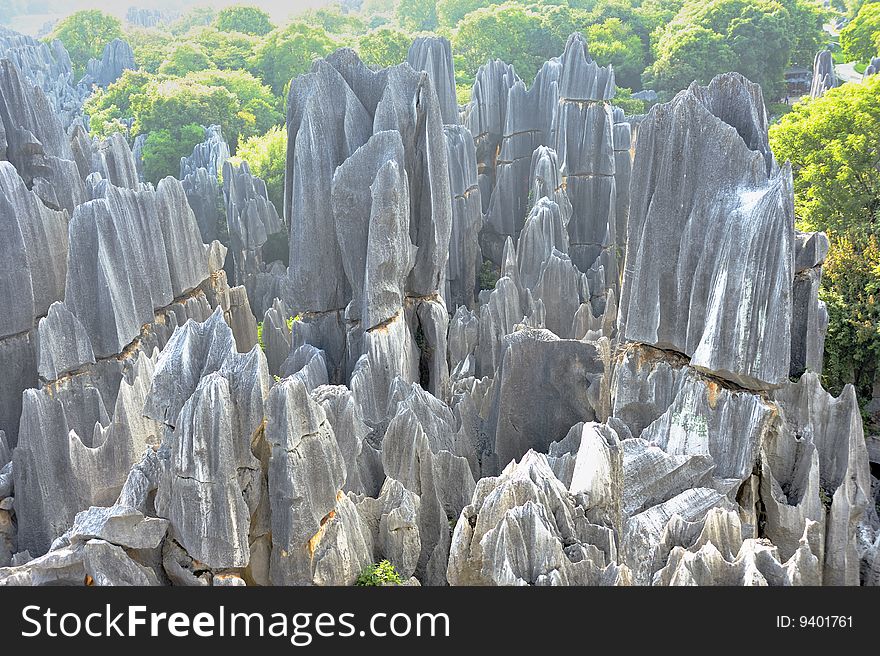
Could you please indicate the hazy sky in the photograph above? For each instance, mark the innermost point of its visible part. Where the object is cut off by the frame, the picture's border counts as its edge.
(279, 9)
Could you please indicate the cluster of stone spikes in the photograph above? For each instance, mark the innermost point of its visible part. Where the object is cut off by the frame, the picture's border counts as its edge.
(635, 401)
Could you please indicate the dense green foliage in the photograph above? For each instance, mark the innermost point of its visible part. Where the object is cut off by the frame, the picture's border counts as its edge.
(417, 15)
(381, 573)
(164, 148)
(833, 143)
(244, 19)
(758, 38)
(861, 37)
(196, 17)
(84, 34)
(384, 47)
(500, 32)
(228, 50)
(185, 58)
(288, 52)
(265, 155)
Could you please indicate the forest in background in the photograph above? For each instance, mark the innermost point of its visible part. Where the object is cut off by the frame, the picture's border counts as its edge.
(232, 67)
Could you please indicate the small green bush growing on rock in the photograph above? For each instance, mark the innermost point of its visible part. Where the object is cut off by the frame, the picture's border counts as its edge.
(381, 573)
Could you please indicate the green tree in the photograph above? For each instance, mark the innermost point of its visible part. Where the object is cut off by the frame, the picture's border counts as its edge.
(164, 148)
(563, 20)
(266, 155)
(851, 291)
(185, 58)
(84, 34)
(333, 21)
(196, 17)
(107, 107)
(167, 103)
(450, 12)
(693, 53)
(150, 47)
(859, 38)
(384, 47)
(613, 42)
(833, 143)
(288, 52)
(805, 27)
(381, 573)
(623, 99)
(228, 50)
(417, 15)
(760, 35)
(510, 32)
(244, 19)
(258, 107)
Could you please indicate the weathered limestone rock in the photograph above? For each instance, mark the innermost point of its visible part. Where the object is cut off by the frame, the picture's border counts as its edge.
(644, 532)
(48, 66)
(64, 344)
(809, 316)
(486, 117)
(582, 78)
(544, 385)
(732, 315)
(33, 252)
(210, 155)
(421, 451)
(203, 195)
(211, 399)
(308, 364)
(465, 257)
(834, 429)
(393, 520)
(116, 58)
(824, 77)
(370, 199)
(523, 528)
(146, 246)
(120, 525)
(434, 56)
(199, 491)
(72, 452)
(737, 561)
(710, 420)
(251, 219)
(344, 416)
(306, 474)
(113, 159)
(326, 123)
(389, 352)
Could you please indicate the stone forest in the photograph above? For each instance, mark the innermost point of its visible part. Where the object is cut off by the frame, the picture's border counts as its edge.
(529, 339)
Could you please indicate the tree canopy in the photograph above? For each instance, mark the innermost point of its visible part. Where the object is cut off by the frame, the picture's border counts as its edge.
(859, 39)
(288, 52)
(244, 19)
(383, 47)
(84, 34)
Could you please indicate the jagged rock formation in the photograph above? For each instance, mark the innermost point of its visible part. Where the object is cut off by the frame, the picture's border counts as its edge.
(357, 153)
(434, 56)
(824, 77)
(116, 58)
(47, 66)
(699, 278)
(251, 219)
(528, 434)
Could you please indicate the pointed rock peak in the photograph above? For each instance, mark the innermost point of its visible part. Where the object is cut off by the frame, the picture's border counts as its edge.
(583, 79)
(740, 103)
